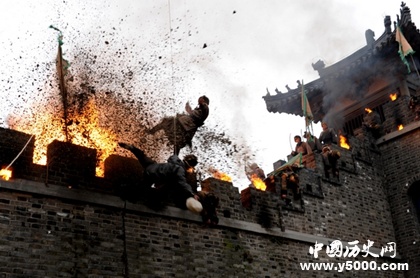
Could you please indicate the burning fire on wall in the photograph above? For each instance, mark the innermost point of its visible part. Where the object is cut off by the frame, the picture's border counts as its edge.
(393, 97)
(343, 142)
(5, 174)
(258, 183)
(221, 176)
(83, 129)
(400, 127)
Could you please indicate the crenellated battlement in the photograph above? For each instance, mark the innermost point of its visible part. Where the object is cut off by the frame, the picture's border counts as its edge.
(65, 197)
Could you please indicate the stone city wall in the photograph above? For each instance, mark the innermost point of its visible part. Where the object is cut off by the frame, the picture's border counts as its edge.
(75, 225)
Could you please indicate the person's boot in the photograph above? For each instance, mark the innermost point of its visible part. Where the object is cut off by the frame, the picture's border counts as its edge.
(126, 146)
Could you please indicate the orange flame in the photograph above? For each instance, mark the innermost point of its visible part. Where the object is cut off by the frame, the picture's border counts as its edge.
(84, 131)
(5, 174)
(258, 183)
(222, 176)
(400, 127)
(368, 110)
(393, 96)
(343, 142)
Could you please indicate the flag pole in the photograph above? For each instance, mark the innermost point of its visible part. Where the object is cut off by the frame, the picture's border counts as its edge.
(290, 141)
(62, 66)
(418, 75)
(63, 91)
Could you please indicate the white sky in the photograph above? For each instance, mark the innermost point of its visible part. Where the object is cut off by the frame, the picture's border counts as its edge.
(251, 45)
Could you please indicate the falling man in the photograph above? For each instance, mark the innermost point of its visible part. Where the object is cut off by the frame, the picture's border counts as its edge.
(181, 129)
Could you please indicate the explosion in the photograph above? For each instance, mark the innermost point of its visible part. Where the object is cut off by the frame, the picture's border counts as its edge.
(131, 91)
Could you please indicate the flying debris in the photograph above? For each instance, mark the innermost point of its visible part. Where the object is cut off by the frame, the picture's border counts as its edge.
(115, 92)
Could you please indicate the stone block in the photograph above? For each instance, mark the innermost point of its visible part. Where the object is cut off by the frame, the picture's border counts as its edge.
(71, 163)
(122, 169)
(12, 143)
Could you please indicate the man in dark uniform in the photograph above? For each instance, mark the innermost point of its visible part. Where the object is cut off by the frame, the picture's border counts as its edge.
(177, 177)
(172, 174)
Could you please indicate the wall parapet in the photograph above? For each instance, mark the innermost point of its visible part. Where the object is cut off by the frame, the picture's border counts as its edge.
(325, 213)
(111, 201)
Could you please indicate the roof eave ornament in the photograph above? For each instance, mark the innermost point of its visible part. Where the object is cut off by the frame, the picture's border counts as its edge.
(405, 15)
(370, 38)
(387, 23)
(318, 66)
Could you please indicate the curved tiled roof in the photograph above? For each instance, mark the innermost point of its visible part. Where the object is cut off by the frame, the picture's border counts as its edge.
(361, 63)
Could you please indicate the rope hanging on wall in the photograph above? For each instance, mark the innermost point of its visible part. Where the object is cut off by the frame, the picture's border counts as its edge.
(176, 151)
(172, 66)
(20, 152)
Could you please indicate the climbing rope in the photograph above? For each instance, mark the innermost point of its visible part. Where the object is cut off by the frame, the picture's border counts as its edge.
(172, 67)
(19, 153)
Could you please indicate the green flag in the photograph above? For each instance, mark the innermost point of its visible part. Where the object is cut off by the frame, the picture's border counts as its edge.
(404, 47)
(307, 112)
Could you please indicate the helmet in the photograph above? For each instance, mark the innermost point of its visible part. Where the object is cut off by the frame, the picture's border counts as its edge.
(191, 160)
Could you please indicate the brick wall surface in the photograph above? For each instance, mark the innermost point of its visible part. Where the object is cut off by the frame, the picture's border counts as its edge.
(42, 237)
(46, 237)
(397, 112)
(76, 164)
(402, 171)
(47, 232)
